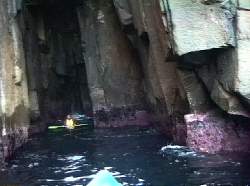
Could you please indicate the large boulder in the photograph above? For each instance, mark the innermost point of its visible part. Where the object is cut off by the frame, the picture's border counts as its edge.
(212, 133)
(209, 25)
(244, 4)
(242, 79)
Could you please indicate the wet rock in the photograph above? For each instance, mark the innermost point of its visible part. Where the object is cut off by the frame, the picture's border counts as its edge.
(13, 140)
(122, 117)
(212, 133)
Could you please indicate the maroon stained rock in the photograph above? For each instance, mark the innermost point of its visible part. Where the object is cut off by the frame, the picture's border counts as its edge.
(211, 133)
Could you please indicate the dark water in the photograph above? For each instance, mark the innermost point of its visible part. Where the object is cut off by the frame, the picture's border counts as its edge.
(133, 156)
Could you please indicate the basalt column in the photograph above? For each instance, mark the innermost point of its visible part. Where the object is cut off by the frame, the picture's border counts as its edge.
(114, 75)
(142, 22)
(13, 84)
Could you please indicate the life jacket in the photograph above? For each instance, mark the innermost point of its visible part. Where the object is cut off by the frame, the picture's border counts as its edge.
(70, 124)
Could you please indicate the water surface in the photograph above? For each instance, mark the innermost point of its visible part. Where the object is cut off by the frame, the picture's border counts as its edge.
(134, 156)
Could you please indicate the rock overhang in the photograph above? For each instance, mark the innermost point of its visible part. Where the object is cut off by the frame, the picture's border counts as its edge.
(208, 25)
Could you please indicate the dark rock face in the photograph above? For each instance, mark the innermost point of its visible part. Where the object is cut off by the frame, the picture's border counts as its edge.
(162, 87)
(56, 70)
(113, 70)
(182, 66)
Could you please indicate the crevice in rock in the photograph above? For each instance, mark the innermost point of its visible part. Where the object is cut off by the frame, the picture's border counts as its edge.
(55, 61)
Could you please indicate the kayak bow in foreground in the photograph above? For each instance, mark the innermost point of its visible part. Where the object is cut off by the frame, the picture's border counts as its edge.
(104, 178)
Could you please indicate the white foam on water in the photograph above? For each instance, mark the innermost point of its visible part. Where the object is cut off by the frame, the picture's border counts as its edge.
(72, 179)
(180, 151)
(31, 165)
(120, 176)
(74, 158)
(108, 168)
(172, 147)
(72, 171)
(49, 180)
(139, 184)
(187, 153)
(71, 167)
(14, 166)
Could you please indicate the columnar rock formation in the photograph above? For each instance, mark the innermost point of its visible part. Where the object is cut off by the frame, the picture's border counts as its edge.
(13, 82)
(113, 72)
(179, 65)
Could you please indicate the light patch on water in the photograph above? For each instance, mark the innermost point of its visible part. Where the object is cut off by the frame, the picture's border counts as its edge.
(72, 171)
(180, 151)
(71, 167)
(36, 157)
(138, 184)
(74, 158)
(94, 170)
(108, 168)
(33, 165)
(72, 179)
(48, 180)
(172, 147)
(14, 166)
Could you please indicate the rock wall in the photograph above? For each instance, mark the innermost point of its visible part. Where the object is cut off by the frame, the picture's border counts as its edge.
(192, 55)
(212, 71)
(14, 110)
(179, 65)
(148, 35)
(113, 69)
(56, 69)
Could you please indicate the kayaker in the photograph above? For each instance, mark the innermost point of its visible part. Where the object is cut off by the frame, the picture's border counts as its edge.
(70, 123)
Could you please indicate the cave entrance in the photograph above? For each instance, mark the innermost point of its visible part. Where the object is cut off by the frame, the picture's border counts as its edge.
(54, 56)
